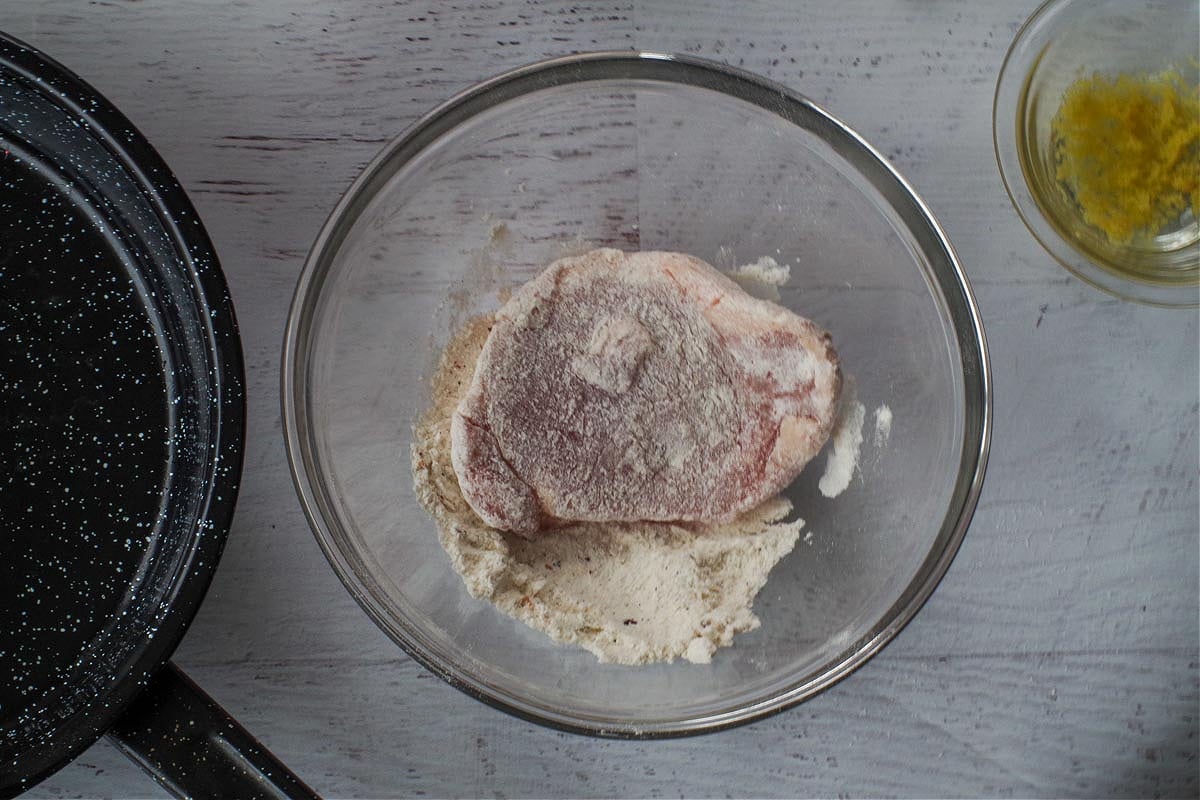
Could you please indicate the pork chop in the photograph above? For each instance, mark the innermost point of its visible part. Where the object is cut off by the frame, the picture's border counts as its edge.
(642, 386)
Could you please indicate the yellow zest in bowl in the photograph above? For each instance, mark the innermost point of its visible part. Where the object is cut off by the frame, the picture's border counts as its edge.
(1128, 148)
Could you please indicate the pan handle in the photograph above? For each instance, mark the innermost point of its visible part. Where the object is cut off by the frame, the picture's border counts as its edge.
(193, 749)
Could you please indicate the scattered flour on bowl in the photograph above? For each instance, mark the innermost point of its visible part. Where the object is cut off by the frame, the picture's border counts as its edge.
(761, 278)
(630, 593)
(846, 440)
(883, 426)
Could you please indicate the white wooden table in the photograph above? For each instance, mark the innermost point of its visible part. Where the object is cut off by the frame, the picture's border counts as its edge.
(1058, 657)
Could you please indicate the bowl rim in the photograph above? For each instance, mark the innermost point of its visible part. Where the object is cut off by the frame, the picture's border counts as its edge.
(1008, 100)
(954, 291)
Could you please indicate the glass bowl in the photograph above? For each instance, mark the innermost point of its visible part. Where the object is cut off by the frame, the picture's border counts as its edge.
(1062, 42)
(636, 150)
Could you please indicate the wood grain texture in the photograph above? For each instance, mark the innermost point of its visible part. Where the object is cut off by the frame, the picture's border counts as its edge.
(1058, 658)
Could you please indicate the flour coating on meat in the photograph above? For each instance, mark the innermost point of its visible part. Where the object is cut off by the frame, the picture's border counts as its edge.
(642, 386)
(630, 593)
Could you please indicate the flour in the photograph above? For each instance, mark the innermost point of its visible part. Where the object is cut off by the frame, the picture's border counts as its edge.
(761, 278)
(765, 270)
(883, 426)
(630, 593)
(847, 439)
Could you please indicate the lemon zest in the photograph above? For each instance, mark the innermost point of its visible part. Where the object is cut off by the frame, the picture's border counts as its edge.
(1128, 148)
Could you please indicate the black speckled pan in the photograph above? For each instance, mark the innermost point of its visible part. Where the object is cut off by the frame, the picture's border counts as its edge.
(121, 429)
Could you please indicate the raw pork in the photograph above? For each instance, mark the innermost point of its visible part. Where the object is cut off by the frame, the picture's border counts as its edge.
(641, 386)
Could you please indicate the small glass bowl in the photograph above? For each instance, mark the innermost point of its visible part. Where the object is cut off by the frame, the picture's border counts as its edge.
(1063, 41)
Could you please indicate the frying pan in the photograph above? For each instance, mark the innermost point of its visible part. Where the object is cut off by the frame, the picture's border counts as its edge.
(122, 418)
